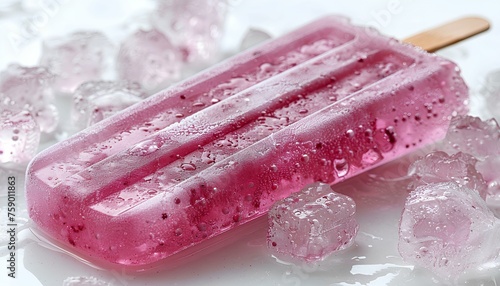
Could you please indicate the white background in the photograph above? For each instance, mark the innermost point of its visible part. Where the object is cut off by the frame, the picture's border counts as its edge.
(374, 259)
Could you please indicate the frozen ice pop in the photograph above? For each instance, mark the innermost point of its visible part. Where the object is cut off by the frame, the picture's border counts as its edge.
(322, 103)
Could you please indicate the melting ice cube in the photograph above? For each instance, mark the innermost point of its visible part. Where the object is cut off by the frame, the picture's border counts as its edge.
(29, 89)
(448, 229)
(311, 224)
(94, 101)
(19, 136)
(439, 167)
(194, 26)
(76, 58)
(148, 57)
(481, 139)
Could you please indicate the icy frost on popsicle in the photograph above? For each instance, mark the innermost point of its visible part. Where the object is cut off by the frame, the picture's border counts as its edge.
(323, 103)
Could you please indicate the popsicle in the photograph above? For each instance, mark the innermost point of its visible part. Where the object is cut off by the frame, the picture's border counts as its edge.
(322, 103)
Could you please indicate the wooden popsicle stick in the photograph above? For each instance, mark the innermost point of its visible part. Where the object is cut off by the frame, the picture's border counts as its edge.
(448, 34)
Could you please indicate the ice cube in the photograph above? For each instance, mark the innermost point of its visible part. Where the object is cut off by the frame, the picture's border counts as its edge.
(491, 91)
(439, 167)
(19, 136)
(95, 100)
(253, 37)
(148, 57)
(448, 229)
(481, 139)
(29, 88)
(311, 224)
(194, 26)
(76, 58)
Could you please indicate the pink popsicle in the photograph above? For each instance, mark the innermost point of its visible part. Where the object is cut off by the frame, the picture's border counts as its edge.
(322, 103)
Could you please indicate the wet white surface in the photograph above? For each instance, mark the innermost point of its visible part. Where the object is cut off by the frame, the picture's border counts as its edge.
(373, 260)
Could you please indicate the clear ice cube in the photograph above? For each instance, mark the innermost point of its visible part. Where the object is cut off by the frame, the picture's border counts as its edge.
(148, 57)
(439, 167)
(311, 224)
(481, 139)
(448, 229)
(77, 58)
(196, 27)
(29, 88)
(19, 136)
(96, 100)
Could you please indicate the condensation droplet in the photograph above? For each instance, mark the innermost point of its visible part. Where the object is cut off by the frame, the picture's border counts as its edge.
(188, 166)
(341, 167)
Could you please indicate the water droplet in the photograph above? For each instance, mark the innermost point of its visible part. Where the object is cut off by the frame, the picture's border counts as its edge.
(341, 167)
(236, 218)
(198, 104)
(146, 147)
(305, 158)
(202, 226)
(188, 167)
(297, 213)
(371, 157)
(178, 232)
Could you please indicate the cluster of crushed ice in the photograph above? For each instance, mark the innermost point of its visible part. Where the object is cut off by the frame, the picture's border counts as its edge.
(450, 222)
(181, 34)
